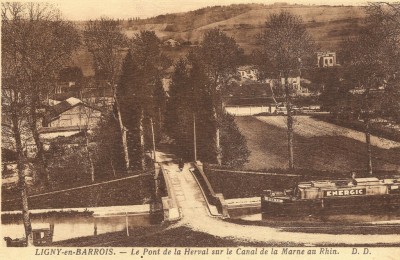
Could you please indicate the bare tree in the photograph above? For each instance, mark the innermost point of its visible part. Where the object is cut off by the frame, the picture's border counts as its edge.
(42, 43)
(105, 41)
(15, 100)
(371, 61)
(89, 118)
(285, 47)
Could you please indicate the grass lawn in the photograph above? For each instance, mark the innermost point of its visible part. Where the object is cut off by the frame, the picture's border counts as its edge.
(268, 146)
(318, 157)
(132, 191)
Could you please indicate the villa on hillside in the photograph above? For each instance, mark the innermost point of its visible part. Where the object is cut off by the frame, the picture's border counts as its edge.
(326, 59)
(248, 72)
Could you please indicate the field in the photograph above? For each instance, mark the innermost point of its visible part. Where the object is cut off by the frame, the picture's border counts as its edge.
(317, 145)
(328, 25)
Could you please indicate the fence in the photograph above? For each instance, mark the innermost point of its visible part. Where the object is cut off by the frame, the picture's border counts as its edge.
(249, 110)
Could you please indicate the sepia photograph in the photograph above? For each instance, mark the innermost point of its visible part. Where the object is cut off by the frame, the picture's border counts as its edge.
(200, 128)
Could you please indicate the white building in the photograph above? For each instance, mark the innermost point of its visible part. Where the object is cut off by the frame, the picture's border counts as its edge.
(248, 72)
(326, 59)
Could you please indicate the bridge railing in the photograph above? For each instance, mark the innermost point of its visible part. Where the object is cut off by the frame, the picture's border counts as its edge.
(169, 202)
(215, 199)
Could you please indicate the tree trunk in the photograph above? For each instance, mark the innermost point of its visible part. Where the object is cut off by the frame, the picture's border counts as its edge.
(39, 144)
(367, 133)
(21, 182)
(123, 130)
(194, 138)
(112, 167)
(141, 134)
(154, 140)
(369, 148)
(89, 157)
(289, 122)
(218, 144)
(216, 103)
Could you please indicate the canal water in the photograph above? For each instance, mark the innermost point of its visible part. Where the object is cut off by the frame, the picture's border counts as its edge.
(73, 227)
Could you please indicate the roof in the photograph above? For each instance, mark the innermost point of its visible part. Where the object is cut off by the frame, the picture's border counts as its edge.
(246, 67)
(63, 106)
(73, 101)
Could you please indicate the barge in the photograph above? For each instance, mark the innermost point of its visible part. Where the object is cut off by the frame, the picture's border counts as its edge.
(333, 196)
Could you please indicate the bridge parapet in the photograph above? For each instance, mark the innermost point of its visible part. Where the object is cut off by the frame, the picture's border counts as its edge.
(169, 202)
(212, 198)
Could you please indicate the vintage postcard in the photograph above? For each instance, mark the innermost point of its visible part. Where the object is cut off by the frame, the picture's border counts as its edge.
(200, 129)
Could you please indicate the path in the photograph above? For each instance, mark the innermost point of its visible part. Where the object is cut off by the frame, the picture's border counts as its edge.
(193, 209)
(188, 194)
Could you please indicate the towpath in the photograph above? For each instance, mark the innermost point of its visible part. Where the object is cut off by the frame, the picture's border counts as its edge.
(196, 216)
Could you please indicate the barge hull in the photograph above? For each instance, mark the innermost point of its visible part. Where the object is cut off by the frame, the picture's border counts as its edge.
(372, 203)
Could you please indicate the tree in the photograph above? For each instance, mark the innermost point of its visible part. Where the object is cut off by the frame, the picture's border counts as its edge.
(191, 106)
(285, 47)
(126, 92)
(145, 87)
(15, 99)
(105, 41)
(385, 17)
(177, 99)
(220, 56)
(370, 60)
(108, 155)
(42, 43)
(234, 145)
(36, 43)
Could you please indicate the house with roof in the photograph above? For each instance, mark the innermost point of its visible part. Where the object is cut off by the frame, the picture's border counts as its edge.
(91, 91)
(69, 117)
(295, 83)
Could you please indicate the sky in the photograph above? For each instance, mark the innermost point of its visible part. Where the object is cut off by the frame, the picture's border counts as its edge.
(92, 9)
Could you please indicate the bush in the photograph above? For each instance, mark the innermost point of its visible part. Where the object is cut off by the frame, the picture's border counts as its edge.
(234, 145)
